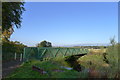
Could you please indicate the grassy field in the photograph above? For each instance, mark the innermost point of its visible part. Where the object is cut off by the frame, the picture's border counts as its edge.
(97, 51)
(99, 63)
(52, 67)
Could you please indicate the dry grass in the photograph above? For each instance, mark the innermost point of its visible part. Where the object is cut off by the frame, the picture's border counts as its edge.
(97, 51)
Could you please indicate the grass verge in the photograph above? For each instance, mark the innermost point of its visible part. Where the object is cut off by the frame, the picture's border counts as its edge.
(52, 67)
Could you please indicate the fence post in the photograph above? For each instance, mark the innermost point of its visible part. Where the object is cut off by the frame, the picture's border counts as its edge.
(15, 56)
(24, 55)
(21, 57)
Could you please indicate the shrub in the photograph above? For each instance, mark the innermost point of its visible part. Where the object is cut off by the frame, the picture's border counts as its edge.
(112, 57)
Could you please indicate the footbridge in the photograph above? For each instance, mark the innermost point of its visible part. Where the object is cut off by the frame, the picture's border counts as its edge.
(41, 53)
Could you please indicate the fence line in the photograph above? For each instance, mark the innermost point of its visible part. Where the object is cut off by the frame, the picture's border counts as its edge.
(12, 56)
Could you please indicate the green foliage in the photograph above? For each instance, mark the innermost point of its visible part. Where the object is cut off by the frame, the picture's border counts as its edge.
(112, 41)
(60, 61)
(11, 17)
(112, 57)
(90, 61)
(109, 66)
(10, 47)
(11, 14)
(44, 44)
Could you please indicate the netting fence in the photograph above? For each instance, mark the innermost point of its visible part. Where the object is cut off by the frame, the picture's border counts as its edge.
(46, 52)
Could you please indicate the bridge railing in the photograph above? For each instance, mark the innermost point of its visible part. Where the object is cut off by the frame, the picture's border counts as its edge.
(48, 52)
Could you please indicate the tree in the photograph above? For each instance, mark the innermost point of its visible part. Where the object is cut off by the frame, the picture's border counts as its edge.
(112, 41)
(11, 16)
(44, 44)
(10, 47)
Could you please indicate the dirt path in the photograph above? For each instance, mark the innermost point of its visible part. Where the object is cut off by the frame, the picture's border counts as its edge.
(8, 67)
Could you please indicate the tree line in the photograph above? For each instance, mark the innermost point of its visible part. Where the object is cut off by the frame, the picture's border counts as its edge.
(91, 47)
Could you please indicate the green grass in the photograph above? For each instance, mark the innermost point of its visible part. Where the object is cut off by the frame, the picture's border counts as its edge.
(96, 62)
(25, 71)
(89, 61)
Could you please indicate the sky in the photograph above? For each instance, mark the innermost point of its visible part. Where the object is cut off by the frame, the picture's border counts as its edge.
(68, 23)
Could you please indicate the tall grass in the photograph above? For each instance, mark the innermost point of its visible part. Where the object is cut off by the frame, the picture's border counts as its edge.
(98, 62)
(112, 56)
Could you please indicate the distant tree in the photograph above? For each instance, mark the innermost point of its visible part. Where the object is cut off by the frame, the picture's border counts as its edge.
(112, 41)
(11, 16)
(44, 44)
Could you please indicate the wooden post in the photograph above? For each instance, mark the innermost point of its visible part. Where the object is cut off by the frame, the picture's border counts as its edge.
(21, 57)
(15, 56)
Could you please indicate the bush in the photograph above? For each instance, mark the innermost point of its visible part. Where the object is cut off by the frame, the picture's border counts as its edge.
(9, 48)
(112, 57)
